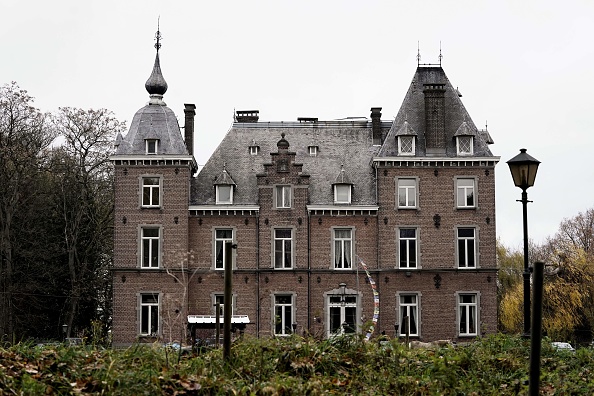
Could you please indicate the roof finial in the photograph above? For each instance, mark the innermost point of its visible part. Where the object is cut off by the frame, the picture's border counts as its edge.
(418, 54)
(156, 85)
(440, 55)
(158, 35)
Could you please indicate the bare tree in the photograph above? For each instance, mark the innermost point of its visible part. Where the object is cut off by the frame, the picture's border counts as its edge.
(24, 137)
(83, 198)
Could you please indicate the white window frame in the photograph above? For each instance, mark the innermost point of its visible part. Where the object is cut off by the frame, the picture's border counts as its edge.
(407, 249)
(313, 151)
(219, 200)
(459, 145)
(220, 240)
(463, 190)
(343, 243)
(254, 150)
(152, 314)
(400, 151)
(282, 321)
(149, 146)
(405, 309)
(337, 193)
(462, 248)
(220, 296)
(468, 314)
(347, 306)
(283, 196)
(408, 192)
(148, 191)
(152, 242)
(285, 242)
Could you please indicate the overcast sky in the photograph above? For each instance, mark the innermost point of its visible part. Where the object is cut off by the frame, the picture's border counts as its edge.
(523, 67)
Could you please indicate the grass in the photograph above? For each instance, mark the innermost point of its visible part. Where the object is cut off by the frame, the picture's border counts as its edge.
(494, 365)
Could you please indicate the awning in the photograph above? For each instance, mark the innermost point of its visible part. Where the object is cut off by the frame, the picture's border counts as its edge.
(212, 319)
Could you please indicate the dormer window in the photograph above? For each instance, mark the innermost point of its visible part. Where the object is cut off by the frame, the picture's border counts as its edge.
(342, 193)
(254, 150)
(406, 145)
(224, 186)
(224, 194)
(313, 151)
(152, 146)
(464, 145)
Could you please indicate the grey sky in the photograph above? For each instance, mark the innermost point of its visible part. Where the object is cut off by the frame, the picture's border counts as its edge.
(522, 66)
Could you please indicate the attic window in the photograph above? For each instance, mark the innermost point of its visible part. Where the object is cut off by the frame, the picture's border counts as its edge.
(406, 145)
(464, 144)
(313, 151)
(254, 150)
(152, 146)
(224, 194)
(342, 193)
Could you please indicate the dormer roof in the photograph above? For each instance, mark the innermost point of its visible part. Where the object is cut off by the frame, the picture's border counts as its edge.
(224, 178)
(343, 177)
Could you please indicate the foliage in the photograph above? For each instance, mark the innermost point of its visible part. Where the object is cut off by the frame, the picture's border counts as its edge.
(568, 295)
(56, 204)
(495, 365)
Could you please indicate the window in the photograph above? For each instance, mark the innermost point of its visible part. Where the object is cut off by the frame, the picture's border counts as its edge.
(407, 193)
(409, 312)
(283, 197)
(152, 145)
(254, 150)
(468, 314)
(149, 314)
(313, 151)
(342, 314)
(343, 243)
(283, 248)
(407, 248)
(464, 144)
(151, 192)
(224, 194)
(283, 314)
(465, 193)
(220, 299)
(221, 236)
(466, 248)
(150, 255)
(406, 145)
(342, 193)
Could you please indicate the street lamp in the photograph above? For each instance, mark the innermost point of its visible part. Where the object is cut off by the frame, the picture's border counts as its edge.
(523, 168)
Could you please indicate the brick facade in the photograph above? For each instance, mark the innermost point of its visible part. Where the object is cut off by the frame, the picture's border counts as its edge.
(319, 234)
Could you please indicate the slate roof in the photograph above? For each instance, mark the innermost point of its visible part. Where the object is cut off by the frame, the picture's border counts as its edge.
(348, 143)
(411, 118)
(153, 121)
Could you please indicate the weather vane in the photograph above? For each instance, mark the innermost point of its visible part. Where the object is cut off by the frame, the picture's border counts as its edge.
(440, 55)
(418, 54)
(158, 36)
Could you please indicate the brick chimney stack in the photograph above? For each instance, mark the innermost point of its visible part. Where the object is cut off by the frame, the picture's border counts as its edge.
(190, 112)
(435, 118)
(376, 125)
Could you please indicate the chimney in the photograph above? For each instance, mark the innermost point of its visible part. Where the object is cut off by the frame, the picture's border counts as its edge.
(190, 112)
(247, 115)
(435, 118)
(376, 125)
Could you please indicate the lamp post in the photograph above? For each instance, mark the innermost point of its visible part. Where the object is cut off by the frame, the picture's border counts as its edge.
(523, 168)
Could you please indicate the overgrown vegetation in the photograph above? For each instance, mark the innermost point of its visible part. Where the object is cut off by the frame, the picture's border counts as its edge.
(568, 300)
(495, 365)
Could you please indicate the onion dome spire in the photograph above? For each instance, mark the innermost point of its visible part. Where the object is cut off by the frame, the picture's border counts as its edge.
(156, 85)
